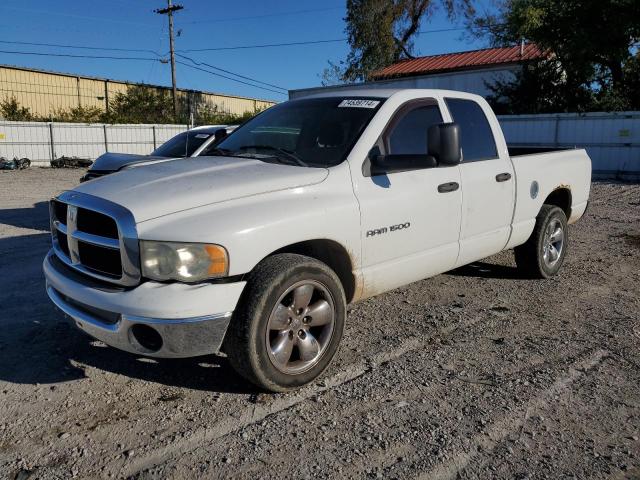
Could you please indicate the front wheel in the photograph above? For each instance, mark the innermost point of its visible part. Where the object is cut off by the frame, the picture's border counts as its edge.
(288, 324)
(543, 254)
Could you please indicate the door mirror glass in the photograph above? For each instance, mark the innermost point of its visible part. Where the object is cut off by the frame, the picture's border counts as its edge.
(444, 143)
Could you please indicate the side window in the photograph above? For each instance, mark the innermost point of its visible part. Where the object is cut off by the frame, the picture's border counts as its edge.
(476, 137)
(409, 134)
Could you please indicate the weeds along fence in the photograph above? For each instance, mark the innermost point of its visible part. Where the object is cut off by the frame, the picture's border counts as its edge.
(42, 142)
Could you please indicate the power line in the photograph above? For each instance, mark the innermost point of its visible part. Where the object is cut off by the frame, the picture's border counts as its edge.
(112, 57)
(69, 55)
(49, 13)
(230, 73)
(309, 42)
(238, 47)
(228, 78)
(81, 47)
(267, 15)
(266, 45)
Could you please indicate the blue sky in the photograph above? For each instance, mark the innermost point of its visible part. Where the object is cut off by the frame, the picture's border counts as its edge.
(132, 24)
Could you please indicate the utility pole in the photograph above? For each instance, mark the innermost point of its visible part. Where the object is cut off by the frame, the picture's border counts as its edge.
(169, 11)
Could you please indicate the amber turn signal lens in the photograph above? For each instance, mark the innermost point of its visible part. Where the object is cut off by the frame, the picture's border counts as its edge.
(218, 256)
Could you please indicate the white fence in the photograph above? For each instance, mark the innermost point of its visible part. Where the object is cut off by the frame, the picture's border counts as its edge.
(611, 139)
(41, 142)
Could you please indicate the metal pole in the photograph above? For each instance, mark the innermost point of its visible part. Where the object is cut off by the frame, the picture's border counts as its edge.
(173, 62)
(154, 137)
(169, 11)
(78, 88)
(106, 96)
(51, 142)
(106, 141)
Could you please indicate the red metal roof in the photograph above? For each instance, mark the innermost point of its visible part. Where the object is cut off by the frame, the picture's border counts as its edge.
(460, 61)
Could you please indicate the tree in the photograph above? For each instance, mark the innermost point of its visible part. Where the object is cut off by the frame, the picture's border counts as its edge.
(591, 40)
(381, 32)
(80, 114)
(141, 104)
(10, 109)
(207, 114)
(540, 87)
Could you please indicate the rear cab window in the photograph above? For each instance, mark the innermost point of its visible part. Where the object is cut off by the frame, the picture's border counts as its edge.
(476, 138)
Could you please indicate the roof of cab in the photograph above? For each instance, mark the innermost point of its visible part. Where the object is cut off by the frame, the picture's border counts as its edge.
(383, 92)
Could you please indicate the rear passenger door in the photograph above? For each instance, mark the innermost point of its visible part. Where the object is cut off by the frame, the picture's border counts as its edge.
(487, 184)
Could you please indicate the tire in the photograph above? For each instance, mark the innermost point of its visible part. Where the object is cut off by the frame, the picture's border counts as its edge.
(282, 336)
(544, 252)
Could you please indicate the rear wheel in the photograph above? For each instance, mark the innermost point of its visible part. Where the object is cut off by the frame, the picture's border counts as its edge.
(543, 254)
(288, 323)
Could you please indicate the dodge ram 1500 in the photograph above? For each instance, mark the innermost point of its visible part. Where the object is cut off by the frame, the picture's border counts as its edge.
(256, 249)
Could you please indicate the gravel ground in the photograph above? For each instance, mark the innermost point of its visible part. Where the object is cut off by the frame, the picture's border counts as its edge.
(472, 374)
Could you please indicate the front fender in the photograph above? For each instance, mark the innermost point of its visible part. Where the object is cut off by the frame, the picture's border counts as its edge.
(251, 228)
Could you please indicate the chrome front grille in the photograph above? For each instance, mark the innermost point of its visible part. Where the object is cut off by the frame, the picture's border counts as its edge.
(96, 237)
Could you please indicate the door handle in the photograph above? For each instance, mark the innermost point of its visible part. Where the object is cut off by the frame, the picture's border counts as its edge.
(448, 187)
(503, 177)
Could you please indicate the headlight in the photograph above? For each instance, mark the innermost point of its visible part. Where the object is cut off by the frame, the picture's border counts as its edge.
(186, 262)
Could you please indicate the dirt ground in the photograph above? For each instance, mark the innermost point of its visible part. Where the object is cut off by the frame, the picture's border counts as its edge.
(477, 373)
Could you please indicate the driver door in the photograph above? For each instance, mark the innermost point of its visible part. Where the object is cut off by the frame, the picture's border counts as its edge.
(409, 226)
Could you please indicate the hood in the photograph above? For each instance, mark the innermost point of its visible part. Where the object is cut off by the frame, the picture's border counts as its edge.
(111, 162)
(162, 188)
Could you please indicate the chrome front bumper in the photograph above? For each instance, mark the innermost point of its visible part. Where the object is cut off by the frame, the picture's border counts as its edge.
(153, 319)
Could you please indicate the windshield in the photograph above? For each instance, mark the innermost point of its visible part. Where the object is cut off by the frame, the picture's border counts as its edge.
(182, 145)
(317, 132)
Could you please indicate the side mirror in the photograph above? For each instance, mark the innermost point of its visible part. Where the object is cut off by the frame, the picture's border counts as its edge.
(382, 164)
(220, 135)
(444, 143)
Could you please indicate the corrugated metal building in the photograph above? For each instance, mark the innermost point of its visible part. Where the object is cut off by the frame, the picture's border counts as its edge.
(44, 92)
(464, 71)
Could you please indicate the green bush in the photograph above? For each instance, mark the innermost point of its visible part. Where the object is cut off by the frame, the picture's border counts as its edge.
(10, 109)
(140, 104)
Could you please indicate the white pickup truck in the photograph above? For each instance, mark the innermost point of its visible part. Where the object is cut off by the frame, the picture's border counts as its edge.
(256, 250)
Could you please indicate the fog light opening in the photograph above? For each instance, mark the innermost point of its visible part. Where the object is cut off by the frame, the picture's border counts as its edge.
(146, 337)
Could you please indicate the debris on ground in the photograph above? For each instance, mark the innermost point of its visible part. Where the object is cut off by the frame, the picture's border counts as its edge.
(15, 164)
(71, 162)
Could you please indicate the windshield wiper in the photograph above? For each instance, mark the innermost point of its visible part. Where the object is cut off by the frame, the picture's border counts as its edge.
(286, 153)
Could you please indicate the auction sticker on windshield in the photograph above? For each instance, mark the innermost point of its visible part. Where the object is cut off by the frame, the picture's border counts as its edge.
(359, 103)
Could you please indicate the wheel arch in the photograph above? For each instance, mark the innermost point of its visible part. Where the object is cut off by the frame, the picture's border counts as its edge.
(560, 197)
(333, 254)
